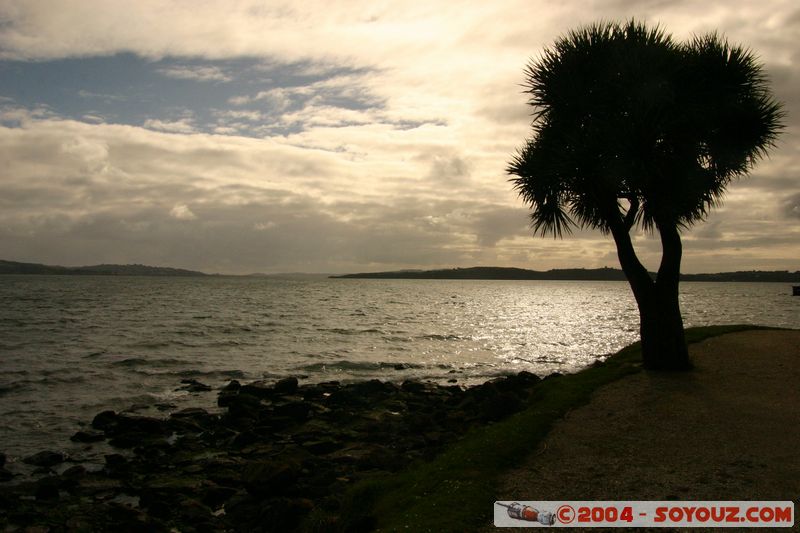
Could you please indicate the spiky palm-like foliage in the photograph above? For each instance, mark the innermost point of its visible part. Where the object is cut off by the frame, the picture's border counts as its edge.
(632, 128)
(625, 116)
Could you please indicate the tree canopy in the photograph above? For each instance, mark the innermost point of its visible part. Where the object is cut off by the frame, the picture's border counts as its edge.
(632, 127)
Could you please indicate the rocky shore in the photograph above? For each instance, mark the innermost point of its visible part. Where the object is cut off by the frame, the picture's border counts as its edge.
(276, 453)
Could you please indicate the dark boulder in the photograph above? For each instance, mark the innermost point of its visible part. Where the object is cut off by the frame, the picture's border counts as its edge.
(296, 411)
(257, 389)
(192, 385)
(234, 385)
(47, 488)
(500, 405)
(267, 478)
(244, 406)
(87, 436)
(74, 472)
(373, 387)
(323, 446)
(104, 420)
(45, 459)
(286, 386)
(192, 420)
(414, 386)
(115, 461)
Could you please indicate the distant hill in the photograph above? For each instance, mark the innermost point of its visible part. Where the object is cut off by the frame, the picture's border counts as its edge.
(290, 276)
(609, 274)
(13, 267)
(783, 276)
(577, 274)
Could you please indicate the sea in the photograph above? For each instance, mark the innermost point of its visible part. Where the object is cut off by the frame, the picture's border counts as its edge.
(72, 346)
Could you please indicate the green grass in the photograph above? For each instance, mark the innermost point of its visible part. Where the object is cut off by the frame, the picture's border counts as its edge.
(454, 491)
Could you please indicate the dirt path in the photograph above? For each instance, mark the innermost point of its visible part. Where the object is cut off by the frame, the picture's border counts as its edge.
(730, 430)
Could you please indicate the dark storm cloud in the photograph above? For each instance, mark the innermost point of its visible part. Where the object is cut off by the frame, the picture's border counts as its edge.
(791, 206)
(492, 225)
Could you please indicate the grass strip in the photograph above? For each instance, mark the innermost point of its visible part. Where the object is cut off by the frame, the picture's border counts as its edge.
(453, 492)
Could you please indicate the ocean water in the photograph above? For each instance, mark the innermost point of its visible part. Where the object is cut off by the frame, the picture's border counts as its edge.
(71, 346)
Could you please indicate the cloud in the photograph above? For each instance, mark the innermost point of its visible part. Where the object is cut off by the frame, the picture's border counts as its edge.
(83, 93)
(791, 206)
(174, 126)
(277, 99)
(184, 72)
(182, 212)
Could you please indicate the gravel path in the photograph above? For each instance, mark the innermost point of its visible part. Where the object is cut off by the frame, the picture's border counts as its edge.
(730, 430)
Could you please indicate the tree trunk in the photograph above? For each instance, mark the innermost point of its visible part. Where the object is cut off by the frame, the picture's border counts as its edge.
(661, 329)
(660, 321)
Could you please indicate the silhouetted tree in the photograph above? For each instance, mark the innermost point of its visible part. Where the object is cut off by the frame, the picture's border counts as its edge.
(633, 129)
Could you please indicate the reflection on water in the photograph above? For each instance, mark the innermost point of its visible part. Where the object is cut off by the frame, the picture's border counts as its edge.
(71, 346)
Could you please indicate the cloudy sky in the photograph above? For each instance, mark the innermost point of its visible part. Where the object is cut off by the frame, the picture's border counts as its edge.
(267, 136)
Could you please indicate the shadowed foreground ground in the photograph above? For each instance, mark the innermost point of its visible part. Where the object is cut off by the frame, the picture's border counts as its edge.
(729, 430)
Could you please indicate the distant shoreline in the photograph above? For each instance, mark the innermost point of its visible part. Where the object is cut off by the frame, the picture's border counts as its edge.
(472, 273)
(570, 274)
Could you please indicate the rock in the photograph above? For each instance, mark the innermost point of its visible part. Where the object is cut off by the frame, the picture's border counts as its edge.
(192, 385)
(347, 397)
(413, 386)
(47, 488)
(115, 461)
(372, 387)
(2, 460)
(5, 475)
(158, 503)
(528, 377)
(286, 386)
(225, 397)
(128, 431)
(194, 512)
(244, 406)
(87, 436)
(500, 406)
(483, 392)
(234, 385)
(45, 459)
(126, 518)
(267, 478)
(104, 420)
(74, 472)
(322, 446)
(286, 514)
(192, 420)
(116, 424)
(297, 411)
(258, 389)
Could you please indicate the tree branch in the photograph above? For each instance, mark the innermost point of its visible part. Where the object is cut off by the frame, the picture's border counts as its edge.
(637, 274)
(633, 210)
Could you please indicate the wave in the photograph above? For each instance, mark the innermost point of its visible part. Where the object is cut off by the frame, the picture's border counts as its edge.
(138, 361)
(189, 373)
(438, 337)
(48, 380)
(351, 331)
(358, 366)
